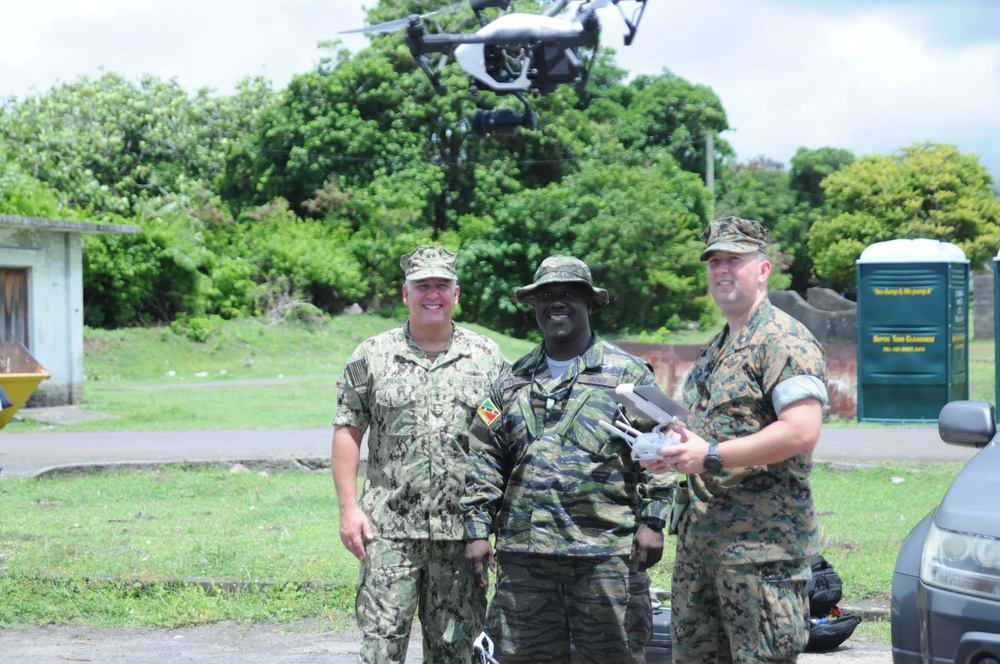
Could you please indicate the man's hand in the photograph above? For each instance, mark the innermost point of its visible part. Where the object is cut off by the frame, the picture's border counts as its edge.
(355, 531)
(647, 548)
(686, 457)
(479, 560)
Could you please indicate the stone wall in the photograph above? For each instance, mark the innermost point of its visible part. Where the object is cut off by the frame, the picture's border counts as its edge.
(831, 318)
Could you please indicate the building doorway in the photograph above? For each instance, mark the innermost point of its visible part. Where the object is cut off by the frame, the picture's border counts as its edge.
(14, 305)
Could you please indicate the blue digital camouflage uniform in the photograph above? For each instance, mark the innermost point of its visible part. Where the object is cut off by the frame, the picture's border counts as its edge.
(563, 497)
(746, 530)
(419, 410)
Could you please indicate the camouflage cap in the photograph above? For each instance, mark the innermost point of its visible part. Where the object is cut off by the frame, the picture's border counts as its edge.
(740, 236)
(427, 262)
(561, 270)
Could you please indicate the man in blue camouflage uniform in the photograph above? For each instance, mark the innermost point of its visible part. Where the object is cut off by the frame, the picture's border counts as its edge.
(748, 532)
(415, 389)
(576, 520)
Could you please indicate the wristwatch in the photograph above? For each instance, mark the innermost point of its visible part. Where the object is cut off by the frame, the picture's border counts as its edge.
(712, 461)
(653, 523)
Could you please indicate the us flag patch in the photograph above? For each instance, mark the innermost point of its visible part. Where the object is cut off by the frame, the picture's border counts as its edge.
(488, 413)
(357, 372)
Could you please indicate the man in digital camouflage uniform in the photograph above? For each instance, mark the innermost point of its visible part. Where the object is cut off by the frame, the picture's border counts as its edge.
(576, 520)
(415, 389)
(749, 531)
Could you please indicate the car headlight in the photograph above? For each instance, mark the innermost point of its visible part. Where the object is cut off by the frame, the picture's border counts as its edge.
(964, 563)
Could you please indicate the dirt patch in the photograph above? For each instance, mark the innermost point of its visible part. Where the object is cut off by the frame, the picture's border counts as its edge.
(300, 642)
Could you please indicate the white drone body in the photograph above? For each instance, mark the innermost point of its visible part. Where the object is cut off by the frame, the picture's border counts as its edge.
(514, 53)
(512, 27)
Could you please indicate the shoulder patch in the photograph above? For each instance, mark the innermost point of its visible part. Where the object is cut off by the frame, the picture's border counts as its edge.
(489, 413)
(357, 372)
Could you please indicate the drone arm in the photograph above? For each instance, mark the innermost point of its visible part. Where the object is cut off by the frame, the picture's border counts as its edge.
(416, 39)
(633, 24)
(555, 7)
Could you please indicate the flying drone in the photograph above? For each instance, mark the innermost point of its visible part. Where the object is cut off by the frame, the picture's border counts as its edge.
(514, 53)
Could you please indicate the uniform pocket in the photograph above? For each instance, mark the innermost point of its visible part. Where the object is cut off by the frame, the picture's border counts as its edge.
(583, 428)
(395, 407)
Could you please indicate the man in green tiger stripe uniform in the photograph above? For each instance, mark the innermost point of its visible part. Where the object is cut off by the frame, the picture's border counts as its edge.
(576, 520)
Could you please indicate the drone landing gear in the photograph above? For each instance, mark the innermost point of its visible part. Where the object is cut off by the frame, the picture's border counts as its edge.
(504, 121)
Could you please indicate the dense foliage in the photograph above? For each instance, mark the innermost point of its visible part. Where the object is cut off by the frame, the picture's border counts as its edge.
(307, 196)
(922, 191)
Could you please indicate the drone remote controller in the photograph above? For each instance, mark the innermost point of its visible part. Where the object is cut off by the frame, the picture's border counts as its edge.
(650, 401)
(645, 446)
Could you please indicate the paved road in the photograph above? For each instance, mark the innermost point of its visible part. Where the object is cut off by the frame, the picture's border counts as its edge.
(31, 453)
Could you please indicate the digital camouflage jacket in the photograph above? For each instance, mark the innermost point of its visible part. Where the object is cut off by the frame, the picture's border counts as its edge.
(758, 513)
(419, 411)
(543, 476)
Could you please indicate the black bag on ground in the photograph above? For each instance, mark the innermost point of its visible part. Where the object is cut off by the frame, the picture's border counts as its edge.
(829, 625)
(826, 588)
(829, 632)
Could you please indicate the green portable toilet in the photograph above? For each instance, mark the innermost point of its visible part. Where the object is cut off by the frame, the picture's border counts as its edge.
(913, 330)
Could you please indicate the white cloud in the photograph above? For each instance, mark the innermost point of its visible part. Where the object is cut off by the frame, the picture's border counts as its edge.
(212, 43)
(871, 79)
(869, 76)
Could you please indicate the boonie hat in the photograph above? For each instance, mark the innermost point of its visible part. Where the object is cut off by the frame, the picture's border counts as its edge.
(561, 270)
(740, 236)
(427, 262)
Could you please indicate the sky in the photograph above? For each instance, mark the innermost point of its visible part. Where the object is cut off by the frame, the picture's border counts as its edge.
(869, 76)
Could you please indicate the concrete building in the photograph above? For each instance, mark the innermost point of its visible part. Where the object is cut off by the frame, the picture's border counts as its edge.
(41, 298)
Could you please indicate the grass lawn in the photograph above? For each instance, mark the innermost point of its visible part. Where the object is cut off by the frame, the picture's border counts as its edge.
(112, 549)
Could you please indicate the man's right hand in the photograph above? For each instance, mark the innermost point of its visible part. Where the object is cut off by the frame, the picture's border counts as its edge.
(479, 560)
(355, 531)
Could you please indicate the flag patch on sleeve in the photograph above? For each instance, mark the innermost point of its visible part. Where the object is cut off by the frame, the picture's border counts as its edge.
(488, 413)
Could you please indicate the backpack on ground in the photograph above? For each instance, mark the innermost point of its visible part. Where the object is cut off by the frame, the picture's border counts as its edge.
(826, 588)
(829, 625)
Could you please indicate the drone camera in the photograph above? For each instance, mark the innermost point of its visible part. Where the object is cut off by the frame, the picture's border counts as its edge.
(502, 122)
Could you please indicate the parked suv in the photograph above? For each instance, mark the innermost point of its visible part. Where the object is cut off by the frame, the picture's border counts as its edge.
(946, 585)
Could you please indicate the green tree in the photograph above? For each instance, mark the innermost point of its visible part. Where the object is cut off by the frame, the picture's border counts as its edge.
(311, 194)
(107, 143)
(636, 226)
(927, 190)
(811, 167)
(666, 112)
(147, 278)
(23, 195)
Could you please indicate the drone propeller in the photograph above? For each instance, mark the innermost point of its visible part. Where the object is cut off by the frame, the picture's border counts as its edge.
(588, 6)
(400, 23)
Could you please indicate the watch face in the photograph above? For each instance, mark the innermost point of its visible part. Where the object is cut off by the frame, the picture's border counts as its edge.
(713, 464)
